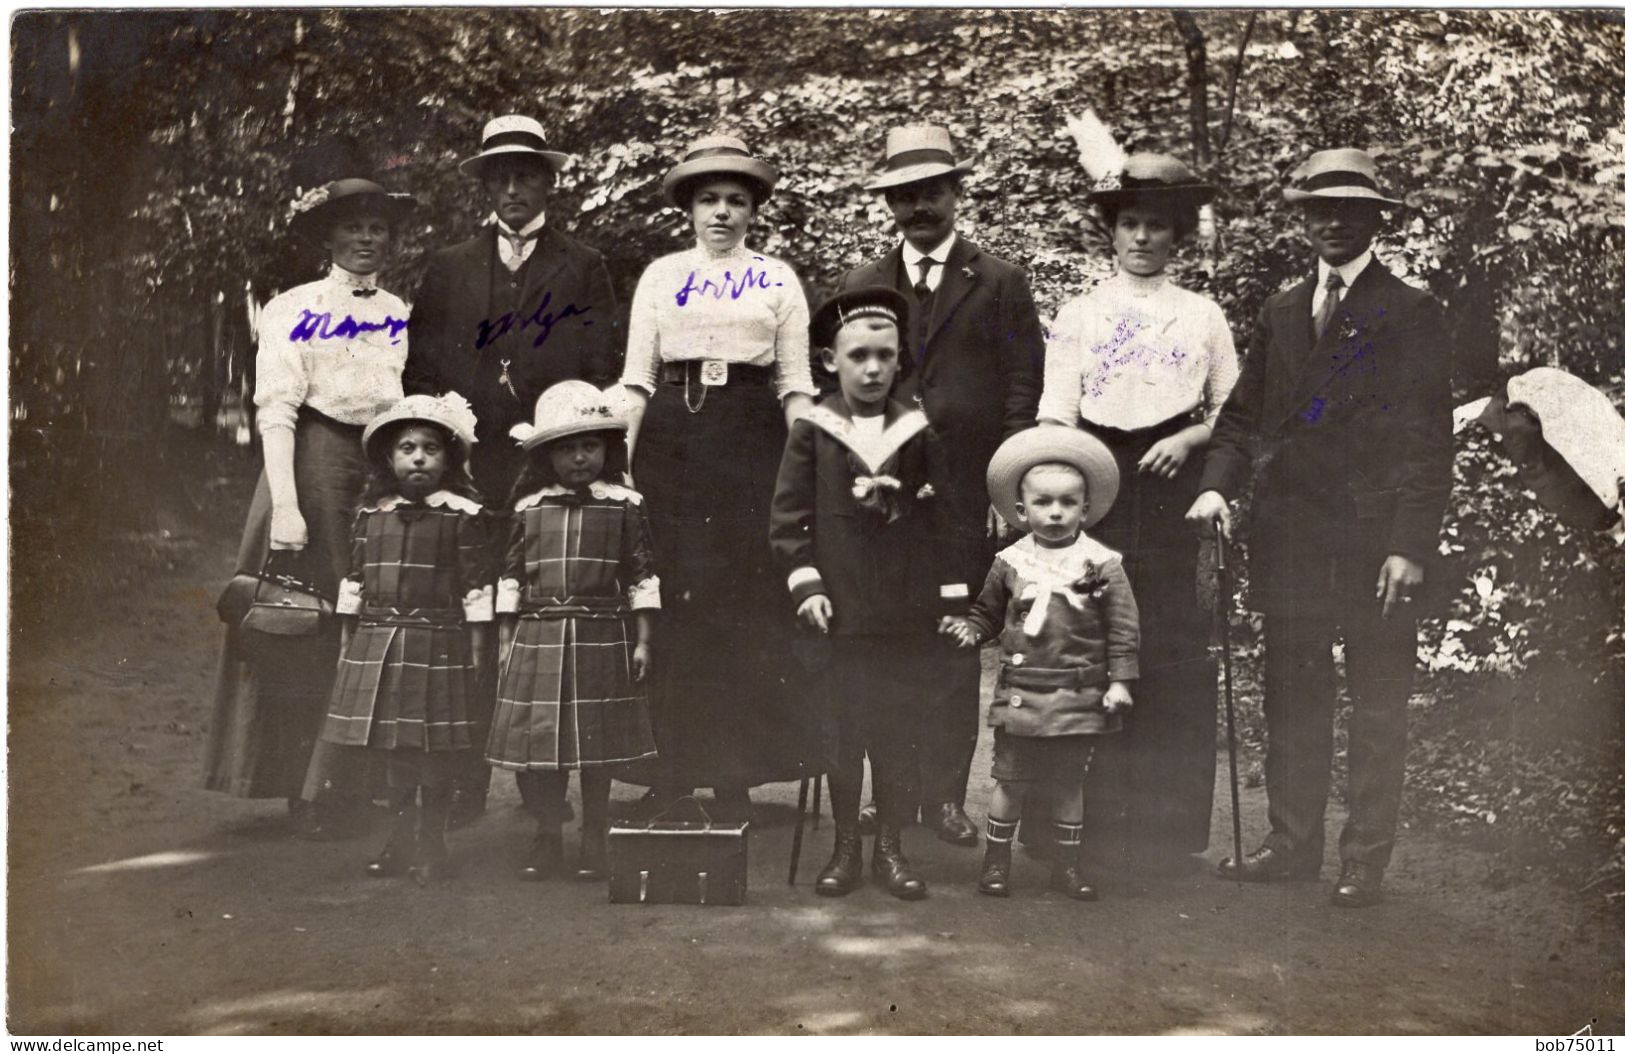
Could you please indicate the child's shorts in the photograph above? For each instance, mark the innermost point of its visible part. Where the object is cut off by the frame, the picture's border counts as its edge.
(1060, 758)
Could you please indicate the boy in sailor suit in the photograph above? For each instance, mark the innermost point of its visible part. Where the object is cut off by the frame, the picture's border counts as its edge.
(866, 540)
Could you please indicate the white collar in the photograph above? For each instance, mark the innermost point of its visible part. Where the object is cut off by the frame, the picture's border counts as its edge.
(530, 229)
(1039, 564)
(599, 489)
(440, 499)
(913, 256)
(1350, 271)
(872, 448)
(351, 280)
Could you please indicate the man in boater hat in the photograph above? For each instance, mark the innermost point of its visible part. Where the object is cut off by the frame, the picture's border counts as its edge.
(507, 314)
(1344, 404)
(974, 361)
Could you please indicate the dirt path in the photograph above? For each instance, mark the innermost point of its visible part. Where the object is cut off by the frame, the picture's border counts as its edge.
(141, 904)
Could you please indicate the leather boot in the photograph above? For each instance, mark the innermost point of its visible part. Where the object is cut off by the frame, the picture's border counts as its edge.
(401, 849)
(892, 868)
(433, 864)
(1065, 876)
(845, 868)
(545, 857)
(995, 881)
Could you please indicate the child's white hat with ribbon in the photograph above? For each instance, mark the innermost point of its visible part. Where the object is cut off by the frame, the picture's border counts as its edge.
(450, 411)
(569, 408)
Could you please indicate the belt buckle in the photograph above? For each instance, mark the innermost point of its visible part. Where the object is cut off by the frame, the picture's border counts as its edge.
(713, 373)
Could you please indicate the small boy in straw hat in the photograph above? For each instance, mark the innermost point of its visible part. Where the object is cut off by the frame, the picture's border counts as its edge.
(1069, 632)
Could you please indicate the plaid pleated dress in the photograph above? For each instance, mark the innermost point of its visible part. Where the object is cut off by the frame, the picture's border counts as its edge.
(579, 564)
(420, 572)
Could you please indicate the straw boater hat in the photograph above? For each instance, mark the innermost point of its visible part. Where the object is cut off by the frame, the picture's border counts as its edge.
(875, 301)
(568, 408)
(719, 155)
(1046, 443)
(1333, 174)
(1578, 422)
(315, 211)
(1154, 177)
(914, 153)
(450, 411)
(512, 135)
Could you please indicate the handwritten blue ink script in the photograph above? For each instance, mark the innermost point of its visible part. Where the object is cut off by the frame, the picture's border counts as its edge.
(730, 287)
(314, 325)
(542, 319)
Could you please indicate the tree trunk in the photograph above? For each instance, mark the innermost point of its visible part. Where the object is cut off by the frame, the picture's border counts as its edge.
(1196, 78)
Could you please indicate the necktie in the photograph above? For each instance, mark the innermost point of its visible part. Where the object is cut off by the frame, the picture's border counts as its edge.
(516, 250)
(922, 288)
(364, 292)
(1328, 307)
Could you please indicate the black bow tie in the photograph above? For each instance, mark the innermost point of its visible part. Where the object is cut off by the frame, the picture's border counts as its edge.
(364, 292)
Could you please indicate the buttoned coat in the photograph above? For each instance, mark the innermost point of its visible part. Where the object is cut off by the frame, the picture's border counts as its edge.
(1352, 435)
(566, 327)
(979, 368)
(1052, 682)
(883, 578)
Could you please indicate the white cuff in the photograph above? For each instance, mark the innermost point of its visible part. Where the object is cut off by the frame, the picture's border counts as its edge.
(507, 596)
(803, 575)
(349, 602)
(645, 595)
(477, 605)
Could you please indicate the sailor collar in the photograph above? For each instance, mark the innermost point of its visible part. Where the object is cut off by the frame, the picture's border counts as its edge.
(871, 449)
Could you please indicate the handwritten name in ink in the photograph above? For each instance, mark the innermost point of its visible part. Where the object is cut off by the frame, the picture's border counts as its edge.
(314, 325)
(731, 287)
(542, 320)
(1120, 350)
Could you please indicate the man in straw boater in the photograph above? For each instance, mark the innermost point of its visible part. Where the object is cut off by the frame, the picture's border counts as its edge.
(504, 316)
(1344, 403)
(974, 361)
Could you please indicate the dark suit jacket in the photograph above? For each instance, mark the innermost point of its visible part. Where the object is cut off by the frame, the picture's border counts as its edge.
(566, 328)
(883, 578)
(981, 367)
(1352, 433)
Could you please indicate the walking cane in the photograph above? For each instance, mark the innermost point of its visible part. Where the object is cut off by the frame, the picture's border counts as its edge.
(1226, 593)
(801, 818)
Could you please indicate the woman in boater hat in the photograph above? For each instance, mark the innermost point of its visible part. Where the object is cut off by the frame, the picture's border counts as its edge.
(330, 358)
(716, 366)
(1145, 365)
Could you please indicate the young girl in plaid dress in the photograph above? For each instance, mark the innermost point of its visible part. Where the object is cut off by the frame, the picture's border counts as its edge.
(575, 608)
(417, 603)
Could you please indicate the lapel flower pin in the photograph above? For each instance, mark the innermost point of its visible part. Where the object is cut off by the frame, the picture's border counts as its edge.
(968, 273)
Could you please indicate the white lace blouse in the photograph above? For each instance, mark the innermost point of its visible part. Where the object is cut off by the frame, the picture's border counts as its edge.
(324, 346)
(739, 306)
(1135, 352)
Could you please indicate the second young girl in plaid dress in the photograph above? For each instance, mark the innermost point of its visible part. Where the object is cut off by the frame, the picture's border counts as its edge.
(575, 608)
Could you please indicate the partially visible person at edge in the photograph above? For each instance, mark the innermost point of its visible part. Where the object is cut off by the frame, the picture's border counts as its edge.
(716, 369)
(1344, 401)
(500, 318)
(1145, 366)
(330, 358)
(974, 361)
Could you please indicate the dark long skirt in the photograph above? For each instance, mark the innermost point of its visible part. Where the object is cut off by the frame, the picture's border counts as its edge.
(270, 699)
(727, 709)
(1154, 783)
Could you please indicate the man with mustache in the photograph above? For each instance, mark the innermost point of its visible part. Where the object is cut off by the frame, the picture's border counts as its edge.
(974, 360)
(504, 316)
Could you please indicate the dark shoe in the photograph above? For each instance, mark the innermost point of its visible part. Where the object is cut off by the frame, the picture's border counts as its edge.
(467, 807)
(995, 881)
(432, 863)
(1266, 864)
(594, 863)
(845, 868)
(1066, 878)
(950, 823)
(399, 852)
(1358, 886)
(393, 861)
(868, 819)
(545, 858)
(892, 868)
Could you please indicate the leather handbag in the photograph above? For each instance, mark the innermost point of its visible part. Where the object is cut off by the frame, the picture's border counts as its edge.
(277, 601)
(668, 861)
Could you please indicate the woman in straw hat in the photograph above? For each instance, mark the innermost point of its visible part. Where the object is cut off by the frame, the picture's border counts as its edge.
(716, 366)
(330, 358)
(1145, 365)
